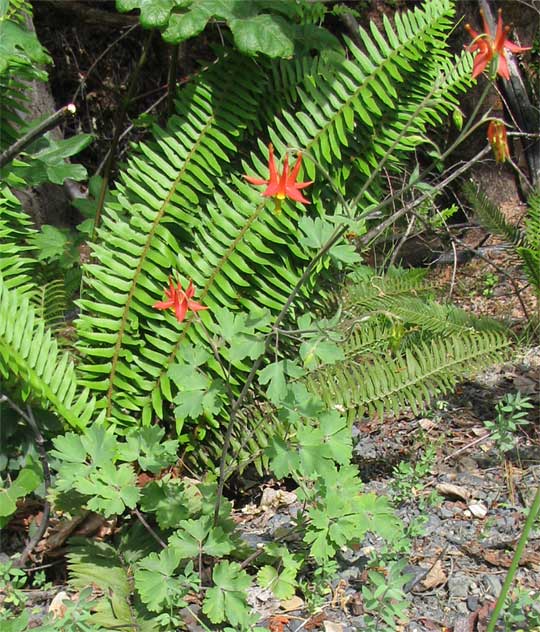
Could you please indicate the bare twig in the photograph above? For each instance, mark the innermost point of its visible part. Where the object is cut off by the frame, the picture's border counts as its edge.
(151, 531)
(36, 132)
(99, 58)
(116, 136)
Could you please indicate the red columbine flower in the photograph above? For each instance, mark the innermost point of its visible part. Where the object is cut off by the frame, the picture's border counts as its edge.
(498, 140)
(284, 186)
(488, 46)
(179, 301)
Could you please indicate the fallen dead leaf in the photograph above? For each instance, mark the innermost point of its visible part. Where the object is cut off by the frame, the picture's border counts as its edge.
(435, 577)
(294, 603)
(501, 558)
(453, 491)
(58, 608)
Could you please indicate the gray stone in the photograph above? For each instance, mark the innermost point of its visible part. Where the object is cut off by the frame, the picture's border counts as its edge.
(458, 586)
(492, 585)
(472, 603)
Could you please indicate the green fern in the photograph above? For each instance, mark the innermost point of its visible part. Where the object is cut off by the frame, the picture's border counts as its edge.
(16, 266)
(182, 204)
(530, 250)
(489, 215)
(93, 564)
(30, 354)
(51, 303)
(22, 56)
(387, 385)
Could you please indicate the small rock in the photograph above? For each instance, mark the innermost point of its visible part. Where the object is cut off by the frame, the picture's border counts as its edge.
(472, 603)
(492, 585)
(458, 586)
(432, 525)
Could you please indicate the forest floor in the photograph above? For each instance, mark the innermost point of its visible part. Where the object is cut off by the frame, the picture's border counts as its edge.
(465, 500)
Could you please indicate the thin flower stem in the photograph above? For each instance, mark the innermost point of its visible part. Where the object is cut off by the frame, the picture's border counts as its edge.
(151, 531)
(171, 80)
(527, 527)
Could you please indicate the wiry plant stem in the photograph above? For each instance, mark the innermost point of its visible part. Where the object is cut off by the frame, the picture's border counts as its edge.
(527, 527)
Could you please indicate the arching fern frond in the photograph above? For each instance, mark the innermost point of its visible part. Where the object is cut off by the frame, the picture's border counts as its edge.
(411, 379)
(430, 317)
(50, 302)
(489, 214)
(29, 353)
(530, 251)
(365, 285)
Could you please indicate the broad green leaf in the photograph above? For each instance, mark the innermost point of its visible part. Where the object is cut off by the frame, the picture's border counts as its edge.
(50, 242)
(27, 481)
(156, 582)
(271, 35)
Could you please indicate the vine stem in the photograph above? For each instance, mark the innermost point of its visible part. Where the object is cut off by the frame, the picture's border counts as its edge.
(109, 163)
(28, 416)
(533, 512)
(36, 132)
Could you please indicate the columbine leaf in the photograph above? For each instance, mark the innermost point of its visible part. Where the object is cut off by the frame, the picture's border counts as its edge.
(171, 500)
(154, 578)
(111, 489)
(227, 599)
(283, 585)
(146, 446)
(283, 459)
(50, 242)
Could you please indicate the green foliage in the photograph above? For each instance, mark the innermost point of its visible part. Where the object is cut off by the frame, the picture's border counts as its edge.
(16, 232)
(18, 46)
(45, 160)
(12, 582)
(408, 479)
(490, 216)
(408, 371)
(527, 242)
(264, 368)
(523, 611)
(100, 564)
(27, 480)
(530, 250)
(511, 413)
(384, 598)
(95, 469)
(226, 600)
(181, 204)
(21, 59)
(276, 29)
(21, 56)
(30, 354)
